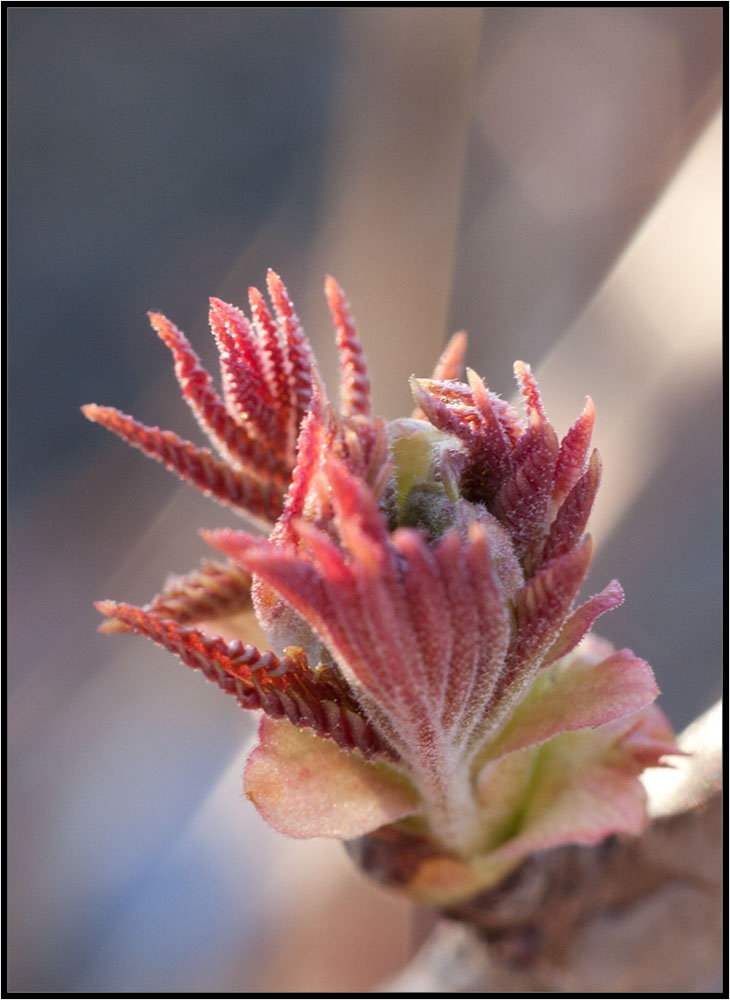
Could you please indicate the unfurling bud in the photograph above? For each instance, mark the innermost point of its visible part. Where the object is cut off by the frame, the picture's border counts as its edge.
(432, 683)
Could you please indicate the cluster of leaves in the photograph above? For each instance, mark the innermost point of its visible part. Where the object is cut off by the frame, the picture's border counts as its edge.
(429, 668)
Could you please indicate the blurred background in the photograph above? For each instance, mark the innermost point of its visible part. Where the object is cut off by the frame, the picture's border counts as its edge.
(548, 178)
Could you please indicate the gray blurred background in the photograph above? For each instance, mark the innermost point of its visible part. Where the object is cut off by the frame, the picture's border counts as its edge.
(547, 178)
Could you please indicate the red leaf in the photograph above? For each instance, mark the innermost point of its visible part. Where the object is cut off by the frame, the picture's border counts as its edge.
(196, 465)
(587, 690)
(242, 367)
(229, 437)
(573, 453)
(539, 611)
(523, 501)
(283, 688)
(582, 619)
(354, 382)
(298, 352)
(316, 441)
(572, 517)
(449, 366)
(215, 590)
(277, 369)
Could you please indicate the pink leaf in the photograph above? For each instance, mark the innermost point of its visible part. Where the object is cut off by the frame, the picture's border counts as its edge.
(497, 444)
(486, 425)
(214, 591)
(282, 687)
(572, 516)
(198, 466)
(306, 787)
(578, 693)
(315, 442)
(242, 366)
(647, 739)
(235, 338)
(449, 366)
(582, 619)
(354, 382)
(573, 453)
(540, 609)
(426, 602)
(530, 393)
(461, 615)
(328, 603)
(449, 406)
(229, 437)
(577, 802)
(301, 361)
(523, 500)
(276, 368)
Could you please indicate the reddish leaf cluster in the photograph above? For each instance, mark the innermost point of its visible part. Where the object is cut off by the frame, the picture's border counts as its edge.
(270, 385)
(418, 587)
